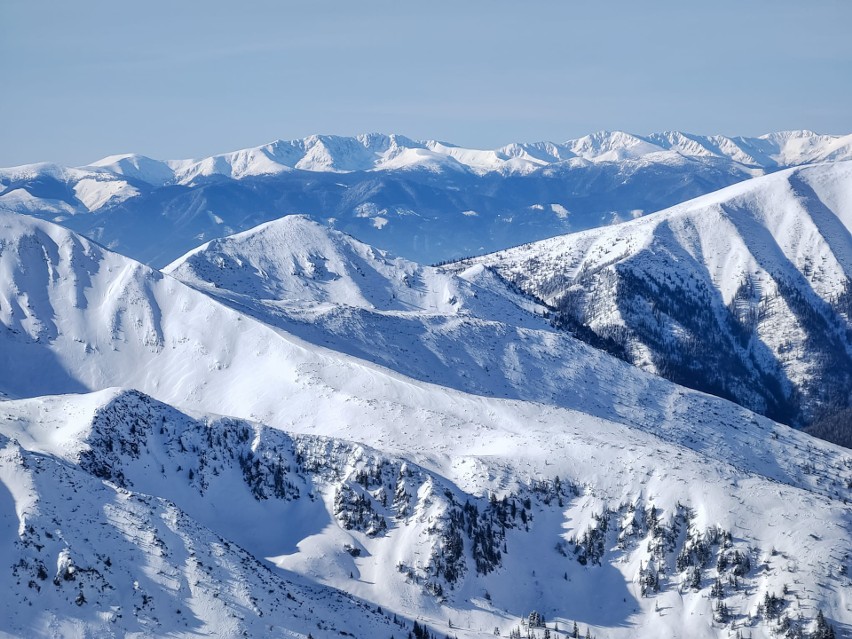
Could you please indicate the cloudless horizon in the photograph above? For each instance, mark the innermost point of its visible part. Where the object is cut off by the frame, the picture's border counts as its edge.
(177, 80)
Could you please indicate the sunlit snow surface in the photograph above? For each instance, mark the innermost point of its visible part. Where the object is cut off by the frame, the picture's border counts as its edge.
(414, 198)
(381, 396)
(768, 261)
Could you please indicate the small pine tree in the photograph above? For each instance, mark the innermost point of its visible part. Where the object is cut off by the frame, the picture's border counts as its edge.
(695, 579)
(824, 630)
(717, 591)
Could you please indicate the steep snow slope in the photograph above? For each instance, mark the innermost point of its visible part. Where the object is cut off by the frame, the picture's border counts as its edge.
(330, 289)
(656, 483)
(306, 266)
(82, 557)
(744, 292)
(77, 317)
(534, 517)
(469, 332)
(428, 201)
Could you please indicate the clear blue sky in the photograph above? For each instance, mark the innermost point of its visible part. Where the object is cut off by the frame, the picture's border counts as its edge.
(189, 78)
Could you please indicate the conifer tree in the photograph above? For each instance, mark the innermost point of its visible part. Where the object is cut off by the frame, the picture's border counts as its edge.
(824, 630)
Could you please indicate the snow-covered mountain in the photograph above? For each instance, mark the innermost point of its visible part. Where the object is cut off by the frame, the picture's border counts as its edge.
(377, 152)
(744, 293)
(427, 201)
(86, 553)
(181, 525)
(626, 504)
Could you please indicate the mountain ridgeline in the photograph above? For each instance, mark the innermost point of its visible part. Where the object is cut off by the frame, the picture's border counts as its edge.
(426, 201)
(288, 432)
(744, 293)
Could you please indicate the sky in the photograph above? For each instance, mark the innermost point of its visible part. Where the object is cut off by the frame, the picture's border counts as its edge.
(184, 78)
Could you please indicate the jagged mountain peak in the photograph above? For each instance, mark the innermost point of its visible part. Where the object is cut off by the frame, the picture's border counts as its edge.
(378, 151)
(608, 142)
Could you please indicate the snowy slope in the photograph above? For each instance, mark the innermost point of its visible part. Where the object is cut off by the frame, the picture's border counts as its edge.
(469, 332)
(83, 557)
(744, 292)
(657, 483)
(628, 553)
(305, 265)
(76, 317)
(427, 201)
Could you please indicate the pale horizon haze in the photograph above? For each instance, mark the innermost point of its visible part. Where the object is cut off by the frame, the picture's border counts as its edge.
(84, 80)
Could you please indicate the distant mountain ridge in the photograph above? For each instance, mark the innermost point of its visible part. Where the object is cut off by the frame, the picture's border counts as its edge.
(377, 152)
(427, 201)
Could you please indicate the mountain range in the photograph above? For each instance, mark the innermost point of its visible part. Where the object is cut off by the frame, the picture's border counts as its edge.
(426, 201)
(290, 432)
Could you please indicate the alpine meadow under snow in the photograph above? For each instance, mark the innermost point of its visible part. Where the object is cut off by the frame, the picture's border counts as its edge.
(288, 432)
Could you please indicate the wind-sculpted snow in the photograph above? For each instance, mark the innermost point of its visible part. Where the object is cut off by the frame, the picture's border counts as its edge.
(743, 293)
(427, 201)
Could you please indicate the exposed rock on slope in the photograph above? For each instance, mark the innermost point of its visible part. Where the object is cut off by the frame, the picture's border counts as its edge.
(744, 293)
